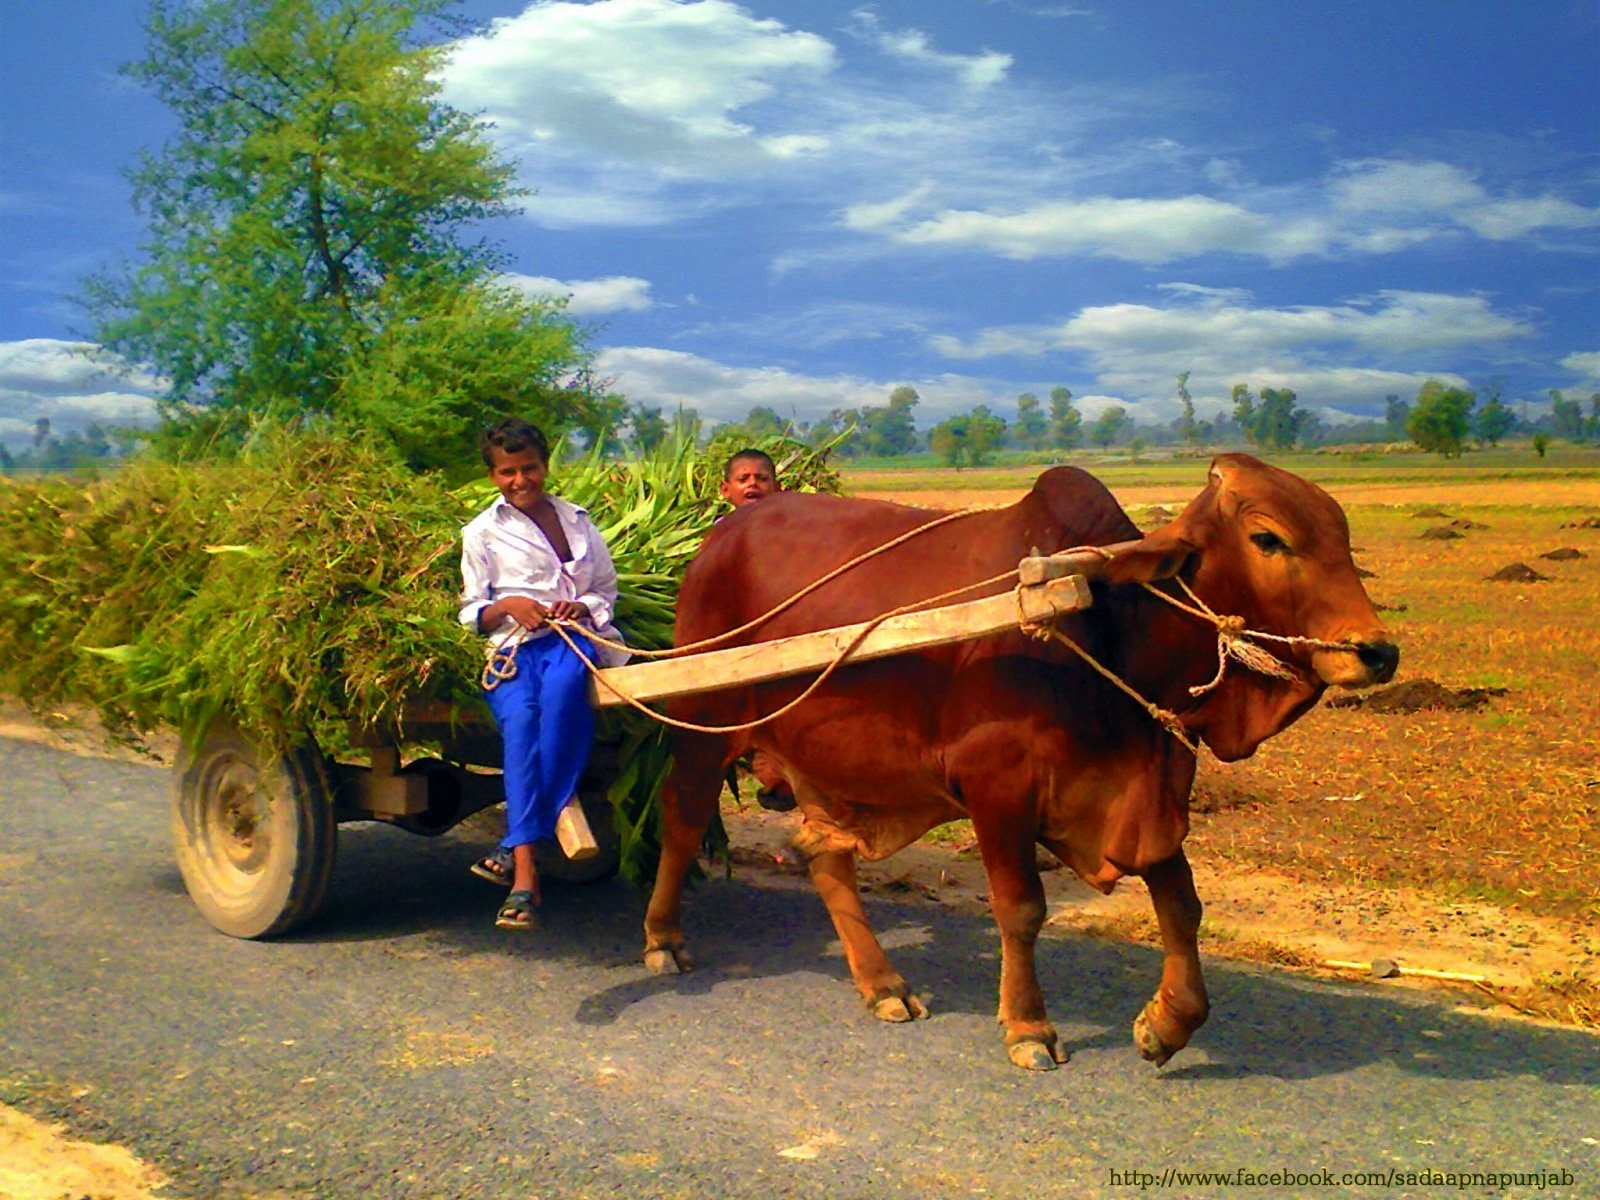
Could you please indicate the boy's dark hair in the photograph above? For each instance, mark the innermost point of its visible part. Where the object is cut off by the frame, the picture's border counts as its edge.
(748, 452)
(512, 435)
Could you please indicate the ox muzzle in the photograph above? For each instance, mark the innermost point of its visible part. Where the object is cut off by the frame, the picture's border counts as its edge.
(1368, 661)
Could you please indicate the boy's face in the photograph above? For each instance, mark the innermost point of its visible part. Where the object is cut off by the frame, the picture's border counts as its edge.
(749, 479)
(519, 475)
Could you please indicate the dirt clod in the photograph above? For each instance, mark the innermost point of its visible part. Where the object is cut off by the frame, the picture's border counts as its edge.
(1467, 523)
(1441, 533)
(1517, 573)
(1416, 695)
(1583, 523)
(1433, 514)
(1564, 554)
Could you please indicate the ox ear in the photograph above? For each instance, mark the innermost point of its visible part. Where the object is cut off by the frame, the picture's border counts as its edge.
(1160, 554)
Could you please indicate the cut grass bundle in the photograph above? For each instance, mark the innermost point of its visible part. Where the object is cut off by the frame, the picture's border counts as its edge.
(313, 586)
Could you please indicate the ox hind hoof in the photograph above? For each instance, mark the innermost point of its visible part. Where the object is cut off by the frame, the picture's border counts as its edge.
(1150, 1043)
(897, 1004)
(667, 960)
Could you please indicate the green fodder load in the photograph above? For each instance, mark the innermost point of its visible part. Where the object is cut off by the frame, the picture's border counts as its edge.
(314, 585)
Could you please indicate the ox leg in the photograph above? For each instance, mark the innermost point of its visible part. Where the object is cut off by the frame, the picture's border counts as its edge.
(1179, 1006)
(1016, 896)
(833, 873)
(688, 802)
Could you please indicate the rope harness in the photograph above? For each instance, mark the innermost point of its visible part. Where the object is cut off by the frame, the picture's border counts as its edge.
(1234, 641)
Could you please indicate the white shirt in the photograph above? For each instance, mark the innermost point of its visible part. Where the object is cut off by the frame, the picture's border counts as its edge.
(504, 553)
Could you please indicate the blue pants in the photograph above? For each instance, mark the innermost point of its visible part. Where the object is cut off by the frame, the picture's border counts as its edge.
(547, 726)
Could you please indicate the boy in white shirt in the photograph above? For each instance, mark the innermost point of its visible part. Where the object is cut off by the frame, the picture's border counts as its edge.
(527, 557)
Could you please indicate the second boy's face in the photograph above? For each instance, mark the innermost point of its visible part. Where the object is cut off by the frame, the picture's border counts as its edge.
(749, 480)
(519, 476)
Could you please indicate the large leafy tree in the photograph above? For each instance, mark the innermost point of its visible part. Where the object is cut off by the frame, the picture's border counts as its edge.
(1441, 418)
(307, 253)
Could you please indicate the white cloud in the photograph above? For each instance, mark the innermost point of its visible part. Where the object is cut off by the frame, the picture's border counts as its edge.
(587, 297)
(1585, 363)
(638, 83)
(1342, 355)
(1388, 186)
(975, 71)
(1143, 231)
(1449, 197)
(73, 384)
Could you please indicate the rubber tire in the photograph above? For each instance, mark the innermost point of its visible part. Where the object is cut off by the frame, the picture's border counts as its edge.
(255, 840)
(553, 864)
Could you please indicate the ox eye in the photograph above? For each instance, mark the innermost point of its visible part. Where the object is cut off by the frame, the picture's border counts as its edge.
(1269, 543)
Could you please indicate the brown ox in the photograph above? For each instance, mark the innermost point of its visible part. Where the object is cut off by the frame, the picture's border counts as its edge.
(1016, 733)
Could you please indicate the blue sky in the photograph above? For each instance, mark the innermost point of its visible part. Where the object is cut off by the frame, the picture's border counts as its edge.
(807, 204)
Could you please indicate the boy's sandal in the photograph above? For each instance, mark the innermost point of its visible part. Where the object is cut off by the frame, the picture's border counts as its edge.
(516, 912)
(496, 867)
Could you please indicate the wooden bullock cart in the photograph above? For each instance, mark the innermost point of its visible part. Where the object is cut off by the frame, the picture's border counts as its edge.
(256, 834)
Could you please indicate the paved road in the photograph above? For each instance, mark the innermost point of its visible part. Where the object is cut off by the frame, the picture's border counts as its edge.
(405, 1048)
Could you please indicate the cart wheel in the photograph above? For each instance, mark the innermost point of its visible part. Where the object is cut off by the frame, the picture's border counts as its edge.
(553, 864)
(255, 836)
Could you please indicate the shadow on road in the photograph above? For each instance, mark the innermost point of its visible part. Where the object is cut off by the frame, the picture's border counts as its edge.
(755, 926)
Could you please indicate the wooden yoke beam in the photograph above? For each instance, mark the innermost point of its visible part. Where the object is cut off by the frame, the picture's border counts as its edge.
(1055, 586)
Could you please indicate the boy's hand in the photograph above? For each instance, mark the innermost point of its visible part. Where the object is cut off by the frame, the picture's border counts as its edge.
(569, 610)
(526, 612)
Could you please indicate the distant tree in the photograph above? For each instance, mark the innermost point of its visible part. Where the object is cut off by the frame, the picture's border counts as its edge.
(1566, 416)
(1108, 426)
(948, 439)
(687, 424)
(1541, 443)
(1441, 418)
(649, 429)
(1279, 421)
(888, 430)
(763, 421)
(1395, 414)
(1593, 430)
(304, 256)
(1493, 421)
(1244, 412)
(985, 431)
(1031, 426)
(1186, 423)
(1066, 422)
(41, 431)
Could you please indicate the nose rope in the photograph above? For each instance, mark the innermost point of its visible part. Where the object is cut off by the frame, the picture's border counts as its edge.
(1232, 635)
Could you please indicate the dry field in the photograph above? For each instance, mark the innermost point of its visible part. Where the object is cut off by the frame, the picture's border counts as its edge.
(1497, 805)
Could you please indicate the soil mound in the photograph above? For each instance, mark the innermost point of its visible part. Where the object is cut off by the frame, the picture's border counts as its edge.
(1517, 573)
(1417, 695)
(1467, 523)
(1152, 517)
(1441, 533)
(1565, 554)
(1433, 514)
(1585, 523)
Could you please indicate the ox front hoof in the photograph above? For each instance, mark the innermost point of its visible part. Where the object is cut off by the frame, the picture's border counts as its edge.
(1034, 1056)
(899, 1008)
(665, 960)
(1151, 1047)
